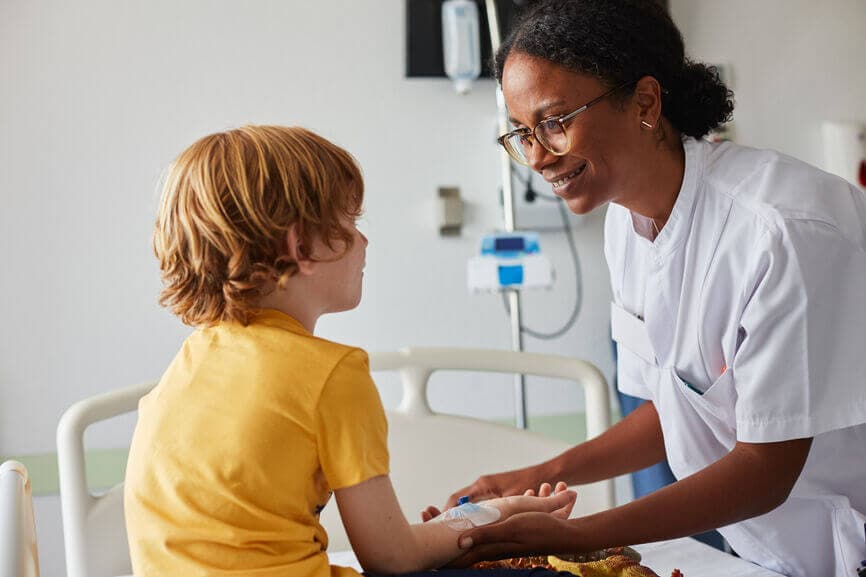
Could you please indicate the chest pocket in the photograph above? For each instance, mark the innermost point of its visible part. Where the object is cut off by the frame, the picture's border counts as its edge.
(698, 428)
(717, 403)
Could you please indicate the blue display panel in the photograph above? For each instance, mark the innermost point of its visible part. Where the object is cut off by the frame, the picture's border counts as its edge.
(509, 244)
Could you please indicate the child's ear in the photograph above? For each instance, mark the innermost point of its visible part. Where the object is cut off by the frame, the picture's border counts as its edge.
(297, 251)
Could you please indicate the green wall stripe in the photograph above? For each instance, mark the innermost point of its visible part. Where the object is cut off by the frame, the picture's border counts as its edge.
(106, 467)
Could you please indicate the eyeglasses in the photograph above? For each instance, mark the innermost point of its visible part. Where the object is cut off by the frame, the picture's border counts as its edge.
(550, 133)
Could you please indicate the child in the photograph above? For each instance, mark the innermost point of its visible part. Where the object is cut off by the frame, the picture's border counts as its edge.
(256, 421)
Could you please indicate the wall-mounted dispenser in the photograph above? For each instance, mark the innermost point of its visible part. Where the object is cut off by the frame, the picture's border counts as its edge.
(845, 151)
(425, 56)
(461, 43)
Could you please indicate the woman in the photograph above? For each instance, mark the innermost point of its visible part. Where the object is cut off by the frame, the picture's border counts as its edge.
(738, 282)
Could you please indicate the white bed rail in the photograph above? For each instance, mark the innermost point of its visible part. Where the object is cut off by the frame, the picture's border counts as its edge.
(416, 365)
(94, 531)
(18, 552)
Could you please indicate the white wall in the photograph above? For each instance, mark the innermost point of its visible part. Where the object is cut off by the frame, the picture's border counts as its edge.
(793, 64)
(98, 98)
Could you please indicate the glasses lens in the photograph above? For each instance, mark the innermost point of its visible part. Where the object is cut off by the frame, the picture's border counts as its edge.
(518, 146)
(552, 136)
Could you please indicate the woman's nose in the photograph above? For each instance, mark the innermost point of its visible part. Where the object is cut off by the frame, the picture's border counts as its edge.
(539, 157)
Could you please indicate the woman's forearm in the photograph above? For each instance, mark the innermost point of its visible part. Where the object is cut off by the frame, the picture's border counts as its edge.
(751, 480)
(632, 444)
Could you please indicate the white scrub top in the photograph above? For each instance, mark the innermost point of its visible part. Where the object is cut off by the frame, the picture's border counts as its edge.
(753, 301)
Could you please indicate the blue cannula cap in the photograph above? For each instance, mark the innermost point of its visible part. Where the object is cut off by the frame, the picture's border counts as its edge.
(462, 500)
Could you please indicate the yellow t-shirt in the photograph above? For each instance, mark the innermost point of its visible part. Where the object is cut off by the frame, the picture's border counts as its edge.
(238, 448)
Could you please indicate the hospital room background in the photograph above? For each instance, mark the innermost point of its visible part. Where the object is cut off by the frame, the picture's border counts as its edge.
(97, 96)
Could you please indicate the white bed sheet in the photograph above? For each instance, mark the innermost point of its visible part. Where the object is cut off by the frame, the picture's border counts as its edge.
(691, 557)
(695, 559)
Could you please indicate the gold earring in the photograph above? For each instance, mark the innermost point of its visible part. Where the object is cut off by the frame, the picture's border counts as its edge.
(645, 123)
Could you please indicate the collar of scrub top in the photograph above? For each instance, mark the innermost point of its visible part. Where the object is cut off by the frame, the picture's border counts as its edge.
(676, 228)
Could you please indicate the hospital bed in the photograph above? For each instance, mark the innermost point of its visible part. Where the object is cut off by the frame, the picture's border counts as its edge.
(18, 553)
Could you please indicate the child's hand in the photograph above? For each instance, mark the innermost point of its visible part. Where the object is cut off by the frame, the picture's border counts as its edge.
(558, 502)
(517, 504)
(545, 489)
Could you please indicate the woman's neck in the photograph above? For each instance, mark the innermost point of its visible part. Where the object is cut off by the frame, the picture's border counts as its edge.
(657, 181)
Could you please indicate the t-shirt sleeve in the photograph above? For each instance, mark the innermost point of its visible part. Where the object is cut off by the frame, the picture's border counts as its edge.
(352, 429)
(799, 367)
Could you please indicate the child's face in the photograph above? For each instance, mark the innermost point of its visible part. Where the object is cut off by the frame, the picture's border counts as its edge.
(341, 279)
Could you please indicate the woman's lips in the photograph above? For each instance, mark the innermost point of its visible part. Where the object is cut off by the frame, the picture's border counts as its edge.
(560, 182)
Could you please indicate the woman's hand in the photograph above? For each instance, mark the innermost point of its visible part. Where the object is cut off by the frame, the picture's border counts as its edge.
(521, 534)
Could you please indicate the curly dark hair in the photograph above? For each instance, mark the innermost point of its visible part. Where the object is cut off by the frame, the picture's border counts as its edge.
(618, 41)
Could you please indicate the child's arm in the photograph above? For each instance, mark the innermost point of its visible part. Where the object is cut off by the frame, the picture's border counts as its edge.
(386, 543)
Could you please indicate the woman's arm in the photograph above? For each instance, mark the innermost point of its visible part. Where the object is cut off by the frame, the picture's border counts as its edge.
(386, 543)
(632, 444)
(753, 479)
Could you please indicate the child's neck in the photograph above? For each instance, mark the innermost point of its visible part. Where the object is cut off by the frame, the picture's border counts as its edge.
(297, 308)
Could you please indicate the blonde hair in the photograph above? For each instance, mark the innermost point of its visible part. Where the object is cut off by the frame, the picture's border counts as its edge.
(227, 205)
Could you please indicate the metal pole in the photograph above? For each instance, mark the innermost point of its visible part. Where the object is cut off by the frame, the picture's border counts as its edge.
(517, 344)
(508, 214)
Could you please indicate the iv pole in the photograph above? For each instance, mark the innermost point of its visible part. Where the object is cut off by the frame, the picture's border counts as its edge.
(508, 208)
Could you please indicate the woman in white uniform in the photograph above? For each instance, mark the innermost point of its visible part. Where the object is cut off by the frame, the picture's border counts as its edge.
(739, 288)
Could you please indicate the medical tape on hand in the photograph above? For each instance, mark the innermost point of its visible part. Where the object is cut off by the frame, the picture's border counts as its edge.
(468, 515)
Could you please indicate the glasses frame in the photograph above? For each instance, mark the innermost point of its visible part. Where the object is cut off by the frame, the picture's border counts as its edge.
(561, 119)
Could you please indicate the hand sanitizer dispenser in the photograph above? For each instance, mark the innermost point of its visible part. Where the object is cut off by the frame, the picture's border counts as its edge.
(461, 43)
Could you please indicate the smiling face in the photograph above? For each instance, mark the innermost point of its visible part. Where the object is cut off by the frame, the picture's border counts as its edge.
(600, 165)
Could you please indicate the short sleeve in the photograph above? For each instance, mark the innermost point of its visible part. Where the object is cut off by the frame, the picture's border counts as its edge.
(800, 364)
(352, 429)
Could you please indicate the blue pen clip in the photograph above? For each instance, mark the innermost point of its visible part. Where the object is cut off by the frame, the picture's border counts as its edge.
(463, 500)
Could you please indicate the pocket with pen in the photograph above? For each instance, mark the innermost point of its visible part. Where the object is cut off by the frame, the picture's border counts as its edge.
(718, 399)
